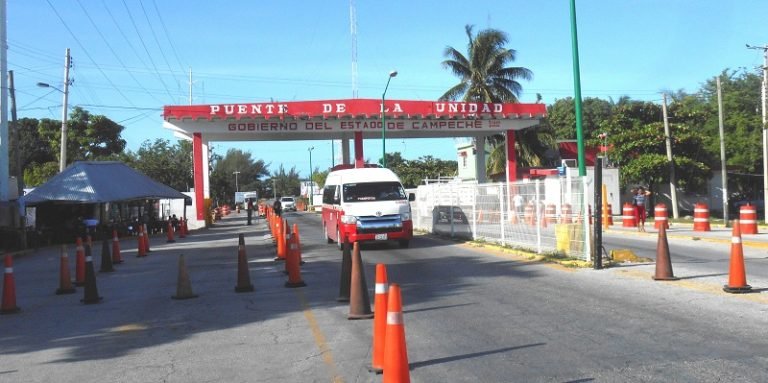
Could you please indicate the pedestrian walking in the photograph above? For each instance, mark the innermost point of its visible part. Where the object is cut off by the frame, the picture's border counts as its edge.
(638, 201)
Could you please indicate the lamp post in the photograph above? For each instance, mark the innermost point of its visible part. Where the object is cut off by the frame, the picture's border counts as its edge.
(311, 186)
(65, 92)
(237, 187)
(383, 121)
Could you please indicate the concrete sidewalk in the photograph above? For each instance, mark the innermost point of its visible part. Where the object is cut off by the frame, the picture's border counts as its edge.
(718, 234)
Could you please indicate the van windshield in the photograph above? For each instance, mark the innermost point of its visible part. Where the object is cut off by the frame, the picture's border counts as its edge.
(373, 191)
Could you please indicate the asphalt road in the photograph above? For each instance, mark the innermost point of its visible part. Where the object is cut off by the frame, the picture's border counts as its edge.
(471, 315)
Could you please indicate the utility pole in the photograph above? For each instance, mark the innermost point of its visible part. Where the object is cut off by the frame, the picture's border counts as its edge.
(237, 186)
(723, 172)
(63, 153)
(672, 180)
(17, 158)
(765, 126)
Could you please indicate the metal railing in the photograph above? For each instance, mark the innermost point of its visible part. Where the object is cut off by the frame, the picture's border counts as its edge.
(540, 215)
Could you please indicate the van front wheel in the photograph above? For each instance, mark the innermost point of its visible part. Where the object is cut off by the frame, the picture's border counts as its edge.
(339, 240)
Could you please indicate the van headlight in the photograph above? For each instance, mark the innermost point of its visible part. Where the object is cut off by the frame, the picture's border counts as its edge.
(405, 216)
(348, 219)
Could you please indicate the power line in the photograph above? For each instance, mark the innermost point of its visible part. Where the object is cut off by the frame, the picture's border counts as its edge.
(106, 42)
(168, 36)
(133, 22)
(86, 52)
(157, 41)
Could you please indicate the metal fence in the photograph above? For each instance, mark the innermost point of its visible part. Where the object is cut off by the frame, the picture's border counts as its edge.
(541, 215)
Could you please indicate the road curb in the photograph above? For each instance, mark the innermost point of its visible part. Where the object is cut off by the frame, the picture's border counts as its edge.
(748, 243)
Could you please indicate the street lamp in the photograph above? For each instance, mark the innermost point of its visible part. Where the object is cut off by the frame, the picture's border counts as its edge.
(383, 122)
(63, 154)
(237, 187)
(311, 186)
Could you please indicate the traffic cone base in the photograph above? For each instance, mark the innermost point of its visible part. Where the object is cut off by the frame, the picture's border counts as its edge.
(737, 290)
(183, 285)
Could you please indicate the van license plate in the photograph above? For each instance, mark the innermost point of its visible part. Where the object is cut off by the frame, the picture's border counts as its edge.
(380, 237)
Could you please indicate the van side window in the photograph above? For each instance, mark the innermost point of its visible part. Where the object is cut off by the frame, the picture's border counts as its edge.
(337, 195)
(328, 194)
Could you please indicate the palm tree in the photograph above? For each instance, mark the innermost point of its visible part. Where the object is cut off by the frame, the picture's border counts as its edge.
(485, 77)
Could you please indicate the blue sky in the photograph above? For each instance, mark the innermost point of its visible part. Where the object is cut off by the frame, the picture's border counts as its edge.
(131, 57)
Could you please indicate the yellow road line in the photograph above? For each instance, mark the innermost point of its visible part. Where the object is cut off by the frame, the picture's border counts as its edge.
(325, 351)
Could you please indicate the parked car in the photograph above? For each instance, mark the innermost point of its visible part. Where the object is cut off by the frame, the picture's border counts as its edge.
(288, 203)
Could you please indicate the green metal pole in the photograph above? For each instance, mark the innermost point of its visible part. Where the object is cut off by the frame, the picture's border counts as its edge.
(384, 128)
(577, 91)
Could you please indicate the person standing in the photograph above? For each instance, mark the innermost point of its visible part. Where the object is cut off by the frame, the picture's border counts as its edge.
(638, 201)
(250, 210)
(518, 202)
(277, 206)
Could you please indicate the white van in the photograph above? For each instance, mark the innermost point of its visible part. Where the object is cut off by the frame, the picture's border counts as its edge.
(366, 204)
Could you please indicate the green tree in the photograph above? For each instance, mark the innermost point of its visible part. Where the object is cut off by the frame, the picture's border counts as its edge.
(223, 182)
(485, 77)
(561, 116)
(287, 183)
(636, 138)
(165, 163)
(413, 172)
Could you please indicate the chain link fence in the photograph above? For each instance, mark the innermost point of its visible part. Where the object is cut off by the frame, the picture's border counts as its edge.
(540, 215)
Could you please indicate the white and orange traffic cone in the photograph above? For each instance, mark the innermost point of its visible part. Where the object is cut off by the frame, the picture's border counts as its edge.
(395, 351)
(737, 277)
(379, 318)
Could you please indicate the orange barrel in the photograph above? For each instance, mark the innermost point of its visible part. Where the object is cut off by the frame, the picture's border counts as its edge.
(748, 219)
(660, 216)
(528, 214)
(701, 217)
(608, 215)
(565, 213)
(628, 218)
(550, 214)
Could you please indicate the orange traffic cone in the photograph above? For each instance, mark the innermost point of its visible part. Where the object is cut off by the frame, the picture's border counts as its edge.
(183, 285)
(79, 262)
(280, 238)
(359, 302)
(9, 289)
(116, 258)
(292, 263)
(395, 351)
(65, 282)
(663, 262)
(346, 272)
(91, 292)
(169, 233)
(182, 228)
(379, 318)
(298, 242)
(243, 274)
(142, 249)
(737, 278)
